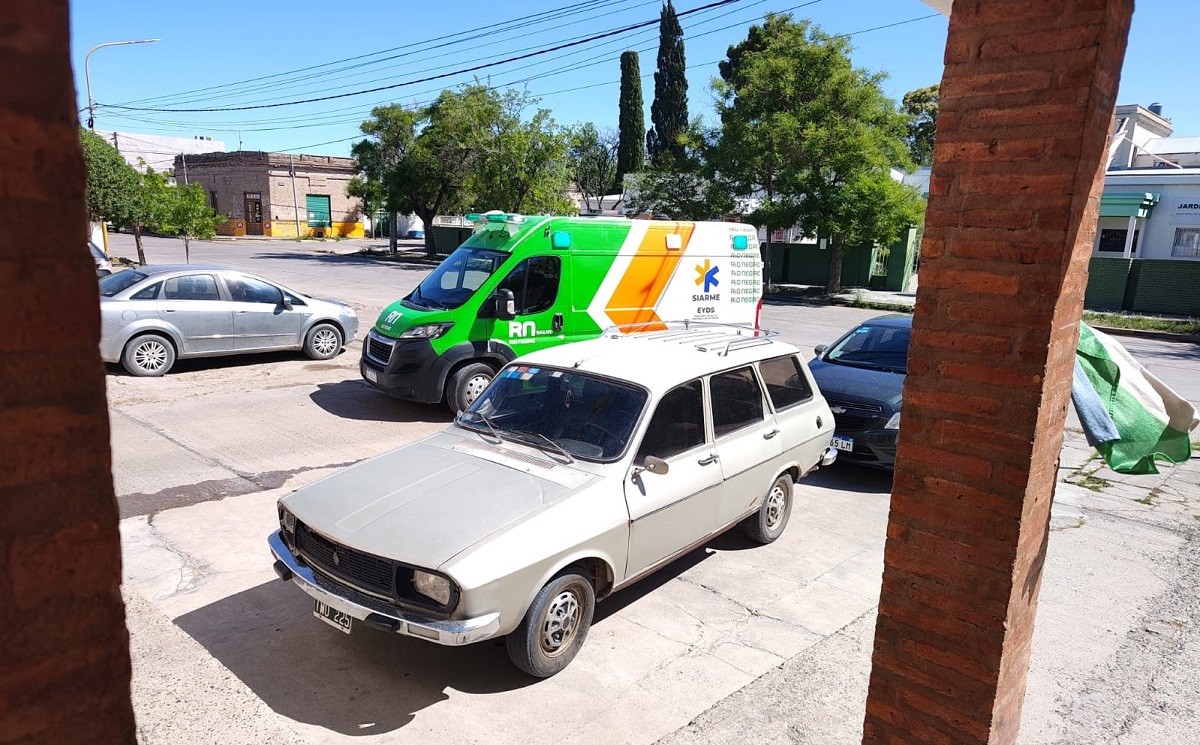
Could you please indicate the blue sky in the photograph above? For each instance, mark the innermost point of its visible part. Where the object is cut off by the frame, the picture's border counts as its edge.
(210, 50)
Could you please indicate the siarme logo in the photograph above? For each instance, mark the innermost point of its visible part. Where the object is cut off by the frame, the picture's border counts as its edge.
(707, 275)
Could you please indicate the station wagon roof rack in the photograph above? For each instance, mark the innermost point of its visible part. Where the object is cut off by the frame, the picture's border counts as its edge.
(691, 332)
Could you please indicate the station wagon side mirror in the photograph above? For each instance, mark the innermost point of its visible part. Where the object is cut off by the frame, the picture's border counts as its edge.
(655, 465)
(506, 305)
(820, 349)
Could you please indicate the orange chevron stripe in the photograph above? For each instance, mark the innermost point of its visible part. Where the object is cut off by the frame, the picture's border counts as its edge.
(642, 285)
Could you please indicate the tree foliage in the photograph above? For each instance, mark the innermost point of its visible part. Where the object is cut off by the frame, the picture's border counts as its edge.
(593, 158)
(112, 184)
(681, 187)
(631, 152)
(185, 211)
(469, 149)
(814, 136)
(922, 106)
(669, 110)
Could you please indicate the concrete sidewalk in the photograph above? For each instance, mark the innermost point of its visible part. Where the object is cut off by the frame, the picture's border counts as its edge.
(729, 645)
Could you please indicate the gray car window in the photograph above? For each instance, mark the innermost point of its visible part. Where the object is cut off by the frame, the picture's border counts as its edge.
(785, 381)
(677, 425)
(147, 293)
(191, 287)
(736, 400)
(250, 290)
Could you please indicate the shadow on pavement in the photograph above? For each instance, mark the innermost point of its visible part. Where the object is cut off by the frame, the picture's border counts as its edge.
(363, 683)
(356, 399)
(851, 478)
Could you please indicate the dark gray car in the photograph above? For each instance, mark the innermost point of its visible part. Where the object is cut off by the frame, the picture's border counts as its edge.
(153, 315)
(862, 376)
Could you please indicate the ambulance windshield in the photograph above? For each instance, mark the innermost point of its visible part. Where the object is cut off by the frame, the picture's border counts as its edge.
(456, 279)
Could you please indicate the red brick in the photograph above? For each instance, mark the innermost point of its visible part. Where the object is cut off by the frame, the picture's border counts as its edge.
(968, 465)
(949, 432)
(1062, 115)
(989, 84)
(1004, 184)
(991, 150)
(970, 343)
(989, 283)
(978, 406)
(1040, 42)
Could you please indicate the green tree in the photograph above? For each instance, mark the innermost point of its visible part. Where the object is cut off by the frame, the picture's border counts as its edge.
(812, 137)
(593, 164)
(669, 110)
(371, 193)
(150, 208)
(113, 186)
(922, 106)
(524, 167)
(683, 187)
(631, 152)
(185, 212)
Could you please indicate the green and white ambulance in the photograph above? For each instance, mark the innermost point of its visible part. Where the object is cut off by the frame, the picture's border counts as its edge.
(522, 283)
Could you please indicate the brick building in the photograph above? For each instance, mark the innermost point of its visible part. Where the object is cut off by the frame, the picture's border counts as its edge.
(259, 194)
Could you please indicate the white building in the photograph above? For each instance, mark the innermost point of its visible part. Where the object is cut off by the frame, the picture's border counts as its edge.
(158, 151)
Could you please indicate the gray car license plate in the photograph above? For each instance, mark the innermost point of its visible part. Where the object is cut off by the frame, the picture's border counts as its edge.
(333, 617)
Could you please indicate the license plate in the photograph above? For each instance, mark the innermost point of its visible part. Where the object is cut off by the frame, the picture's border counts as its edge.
(371, 375)
(333, 617)
(843, 443)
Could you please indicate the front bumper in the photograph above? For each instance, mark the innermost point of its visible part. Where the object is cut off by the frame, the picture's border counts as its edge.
(873, 448)
(376, 613)
(407, 369)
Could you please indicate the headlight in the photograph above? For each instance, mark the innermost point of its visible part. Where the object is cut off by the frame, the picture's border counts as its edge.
(287, 521)
(433, 586)
(349, 312)
(894, 422)
(427, 331)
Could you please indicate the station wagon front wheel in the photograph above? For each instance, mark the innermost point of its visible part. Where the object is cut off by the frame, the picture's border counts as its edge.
(554, 627)
(768, 523)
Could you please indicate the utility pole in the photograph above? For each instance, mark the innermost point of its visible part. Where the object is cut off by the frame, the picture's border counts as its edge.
(184, 157)
(87, 74)
(295, 197)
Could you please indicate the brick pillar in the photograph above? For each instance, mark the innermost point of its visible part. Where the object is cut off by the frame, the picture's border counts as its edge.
(1026, 105)
(64, 651)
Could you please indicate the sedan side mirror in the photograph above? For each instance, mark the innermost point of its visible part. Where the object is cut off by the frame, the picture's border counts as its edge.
(820, 349)
(655, 465)
(284, 301)
(506, 305)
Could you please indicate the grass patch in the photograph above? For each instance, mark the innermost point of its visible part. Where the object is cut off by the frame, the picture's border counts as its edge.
(1144, 323)
(1093, 483)
(1145, 500)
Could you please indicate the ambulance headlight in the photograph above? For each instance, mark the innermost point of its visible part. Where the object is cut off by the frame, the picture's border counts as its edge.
(427, 331)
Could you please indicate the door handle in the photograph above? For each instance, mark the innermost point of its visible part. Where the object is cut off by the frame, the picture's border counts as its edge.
(558, 322)
(707, 461)
(242, 312)
(168, 310)
(820, 423)
(772, 433)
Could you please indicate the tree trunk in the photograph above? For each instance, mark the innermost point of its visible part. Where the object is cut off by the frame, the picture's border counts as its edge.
(137, 239)
(834, 283)
(187, 250)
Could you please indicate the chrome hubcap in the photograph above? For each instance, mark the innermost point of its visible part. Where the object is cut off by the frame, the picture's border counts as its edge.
(476, 386)
(151, 356)
(561, 623)
(325, 342)
(776, 502)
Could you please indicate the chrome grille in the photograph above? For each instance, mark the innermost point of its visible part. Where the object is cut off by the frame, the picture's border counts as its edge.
(852, 423)
(856, 417)
(371, 573)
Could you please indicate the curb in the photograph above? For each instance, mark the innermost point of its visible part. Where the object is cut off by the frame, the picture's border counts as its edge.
(1148, 334)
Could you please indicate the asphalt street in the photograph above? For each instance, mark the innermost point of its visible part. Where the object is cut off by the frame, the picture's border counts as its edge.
(732, 643)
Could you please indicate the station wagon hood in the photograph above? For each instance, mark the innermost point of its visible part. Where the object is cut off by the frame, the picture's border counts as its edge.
(426, 502)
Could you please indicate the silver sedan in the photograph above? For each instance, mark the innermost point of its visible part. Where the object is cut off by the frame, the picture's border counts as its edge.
(154, 315)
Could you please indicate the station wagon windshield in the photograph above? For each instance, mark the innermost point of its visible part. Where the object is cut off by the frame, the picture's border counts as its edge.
(876, 347)
(114, 283)
(456, 279)
(556, 410)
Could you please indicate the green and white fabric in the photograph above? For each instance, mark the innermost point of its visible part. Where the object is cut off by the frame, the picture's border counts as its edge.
(1152, 421)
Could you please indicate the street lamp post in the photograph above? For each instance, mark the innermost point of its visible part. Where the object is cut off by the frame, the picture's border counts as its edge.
(88, 78)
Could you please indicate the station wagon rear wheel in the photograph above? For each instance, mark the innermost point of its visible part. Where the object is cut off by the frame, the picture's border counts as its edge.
(768, 523)
(148, 356)
(554, 627)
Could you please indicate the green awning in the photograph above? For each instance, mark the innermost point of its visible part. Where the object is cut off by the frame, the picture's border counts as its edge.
(1127, 204)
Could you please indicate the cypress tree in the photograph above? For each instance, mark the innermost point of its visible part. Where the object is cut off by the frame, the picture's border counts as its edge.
(631, 150)
(668, 112)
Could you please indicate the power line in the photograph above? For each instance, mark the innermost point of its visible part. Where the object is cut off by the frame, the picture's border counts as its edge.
(517, 58)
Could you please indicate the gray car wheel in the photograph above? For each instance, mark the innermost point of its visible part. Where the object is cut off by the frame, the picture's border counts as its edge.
(466, 385)
(554, 627)
(148, 356)
(323, 342)
(768, 523)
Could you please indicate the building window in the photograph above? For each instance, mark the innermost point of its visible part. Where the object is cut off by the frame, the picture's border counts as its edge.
(1113, 241)
(212, 198)
(1187, 242)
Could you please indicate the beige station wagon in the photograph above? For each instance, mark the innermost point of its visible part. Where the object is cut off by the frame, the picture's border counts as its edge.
(581, 469)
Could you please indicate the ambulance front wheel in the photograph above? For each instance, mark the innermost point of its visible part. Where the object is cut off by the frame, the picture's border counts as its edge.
(467, 384)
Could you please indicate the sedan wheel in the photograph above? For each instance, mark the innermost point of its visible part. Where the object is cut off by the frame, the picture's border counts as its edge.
(554, 627)
(323, 342)
(148, 356)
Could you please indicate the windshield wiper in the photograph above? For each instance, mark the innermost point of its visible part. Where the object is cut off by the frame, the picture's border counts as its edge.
(570, 458)
(867, 365)
(484, 418)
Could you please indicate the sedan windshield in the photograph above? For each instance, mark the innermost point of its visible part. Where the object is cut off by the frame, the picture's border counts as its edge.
(879, 347)
(456, 279)
(558, 411)
(114, 283)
